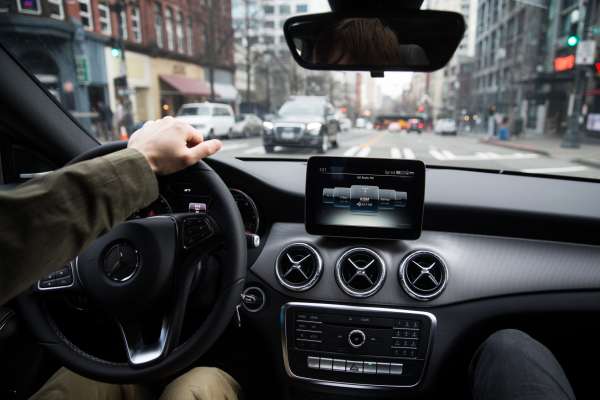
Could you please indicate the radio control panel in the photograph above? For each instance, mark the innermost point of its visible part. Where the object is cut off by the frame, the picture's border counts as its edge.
(365, 346)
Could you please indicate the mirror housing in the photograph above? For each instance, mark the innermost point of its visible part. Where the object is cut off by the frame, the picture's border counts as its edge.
(407, 40)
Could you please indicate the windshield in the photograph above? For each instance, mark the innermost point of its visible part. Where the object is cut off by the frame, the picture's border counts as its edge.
(521, 93)
(203, 111)
(297, 108)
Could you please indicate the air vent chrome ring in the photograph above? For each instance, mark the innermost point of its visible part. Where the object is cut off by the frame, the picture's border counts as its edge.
(423, 275)
(367, 258)
(308, 265)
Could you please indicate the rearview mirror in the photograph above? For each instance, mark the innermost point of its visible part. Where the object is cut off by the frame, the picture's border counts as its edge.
(413, 40)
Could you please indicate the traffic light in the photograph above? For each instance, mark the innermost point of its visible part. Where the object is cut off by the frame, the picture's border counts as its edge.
(573, 37)
(115, 52)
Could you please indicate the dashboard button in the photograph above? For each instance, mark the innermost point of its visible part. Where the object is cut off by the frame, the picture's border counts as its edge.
(370, 367)
(396, 369)
(326, 364)
(339, 365)
(356, 338)
(313, 362)
(355, 367)
(383, 368)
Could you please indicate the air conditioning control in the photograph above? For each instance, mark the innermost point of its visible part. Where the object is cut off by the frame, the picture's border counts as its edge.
(356, 338)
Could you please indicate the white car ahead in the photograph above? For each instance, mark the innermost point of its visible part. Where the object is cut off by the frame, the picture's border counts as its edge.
(213, 120)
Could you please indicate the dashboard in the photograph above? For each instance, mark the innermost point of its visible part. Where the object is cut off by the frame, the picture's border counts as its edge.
(339, 314)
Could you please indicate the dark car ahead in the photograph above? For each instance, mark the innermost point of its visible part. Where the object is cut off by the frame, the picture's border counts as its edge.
(303, 121)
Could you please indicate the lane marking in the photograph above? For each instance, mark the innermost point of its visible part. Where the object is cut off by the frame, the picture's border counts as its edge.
(437, 155)
(448, 154)
(395, 152)
(551, 170)
(255, 150)
(351, 151)
(409, 154)
(364, 152)
(234, 146)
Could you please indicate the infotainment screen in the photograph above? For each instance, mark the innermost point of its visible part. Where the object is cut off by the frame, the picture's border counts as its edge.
(364, 197)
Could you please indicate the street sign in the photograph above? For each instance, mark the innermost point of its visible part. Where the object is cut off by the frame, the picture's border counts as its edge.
(586, 52)
(82, 69)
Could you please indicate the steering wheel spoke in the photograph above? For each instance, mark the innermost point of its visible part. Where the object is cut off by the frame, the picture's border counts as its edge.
(63, 279)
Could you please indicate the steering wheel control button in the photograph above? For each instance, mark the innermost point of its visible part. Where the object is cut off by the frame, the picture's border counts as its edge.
(370, 367)
(326, 364)
(396, 369)
(121, 261)
(196, 229)
(313, 362)
(339, 365)
(356, 338)
(354, 367)
(383, 368)
(253, 299)
(61, 279)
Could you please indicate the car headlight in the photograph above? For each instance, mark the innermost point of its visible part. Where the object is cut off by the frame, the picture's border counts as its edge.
(314, 128)
(268, 125)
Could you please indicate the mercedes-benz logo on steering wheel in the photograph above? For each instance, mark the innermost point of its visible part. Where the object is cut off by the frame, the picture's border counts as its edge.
(121, 262)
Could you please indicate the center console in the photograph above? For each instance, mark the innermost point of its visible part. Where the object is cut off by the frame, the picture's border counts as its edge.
(355, 346)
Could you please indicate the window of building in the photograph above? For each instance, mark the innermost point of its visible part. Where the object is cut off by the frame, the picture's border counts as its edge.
(56, 9)
(29, 7)
(158, 24)
(136, 26)
(282, 39)
(123, 25)
(85, 12)
(301, 8)
(269, 24)
(268, 40)
(285, 9)
(190, 36)
(104, 19)
(169, 28)
(269, 10)
(179, 32)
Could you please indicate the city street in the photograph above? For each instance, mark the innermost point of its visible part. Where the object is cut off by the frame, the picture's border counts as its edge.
(462, 150)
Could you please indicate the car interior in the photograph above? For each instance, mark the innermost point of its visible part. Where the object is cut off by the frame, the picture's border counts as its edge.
(279, 276)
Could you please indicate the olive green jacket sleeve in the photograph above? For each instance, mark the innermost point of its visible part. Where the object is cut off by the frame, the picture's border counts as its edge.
(49, 220)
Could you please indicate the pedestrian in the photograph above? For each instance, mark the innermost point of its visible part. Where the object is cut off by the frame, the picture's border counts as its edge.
(503, 132)
(105, 121)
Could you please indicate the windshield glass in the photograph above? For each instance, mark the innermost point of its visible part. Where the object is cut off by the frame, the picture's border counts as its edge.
(203, 111)
(521, 93)
(297, 108)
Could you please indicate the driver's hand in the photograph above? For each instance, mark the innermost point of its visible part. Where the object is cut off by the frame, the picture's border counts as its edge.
(170, 145)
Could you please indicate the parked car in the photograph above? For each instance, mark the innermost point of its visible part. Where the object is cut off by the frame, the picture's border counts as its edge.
(213, 120)
(303, 121)
(247, 125)
(361, 123)
(345, 124)
(445, 126)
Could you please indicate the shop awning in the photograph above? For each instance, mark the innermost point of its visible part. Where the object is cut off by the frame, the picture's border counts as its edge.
(226, 92)
(187, 86)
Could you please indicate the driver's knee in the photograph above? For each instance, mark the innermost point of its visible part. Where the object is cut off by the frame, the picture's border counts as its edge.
(202, 384)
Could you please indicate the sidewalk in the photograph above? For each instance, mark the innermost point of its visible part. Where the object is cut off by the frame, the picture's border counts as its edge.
(587, 154)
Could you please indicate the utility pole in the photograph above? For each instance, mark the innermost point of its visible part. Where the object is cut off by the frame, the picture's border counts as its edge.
(248, 52)
(571, 138)
(210, 45)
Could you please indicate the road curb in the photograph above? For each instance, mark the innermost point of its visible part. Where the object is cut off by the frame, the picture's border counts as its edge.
(587, 163)
(515, 146)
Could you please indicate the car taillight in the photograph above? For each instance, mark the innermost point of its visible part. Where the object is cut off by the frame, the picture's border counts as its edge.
(421, 125)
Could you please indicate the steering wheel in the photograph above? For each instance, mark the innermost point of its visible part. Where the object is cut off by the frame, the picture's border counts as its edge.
(143, 273)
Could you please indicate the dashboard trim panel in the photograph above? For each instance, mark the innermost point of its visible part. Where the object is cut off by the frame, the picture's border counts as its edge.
(340, 307)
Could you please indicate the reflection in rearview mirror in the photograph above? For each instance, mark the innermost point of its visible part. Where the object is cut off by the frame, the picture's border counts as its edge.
(415, 41)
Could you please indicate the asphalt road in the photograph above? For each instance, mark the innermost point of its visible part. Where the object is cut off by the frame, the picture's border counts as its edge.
(461, 150)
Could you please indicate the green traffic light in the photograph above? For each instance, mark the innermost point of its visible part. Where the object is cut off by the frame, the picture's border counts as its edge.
(572, 40)
(115, 52)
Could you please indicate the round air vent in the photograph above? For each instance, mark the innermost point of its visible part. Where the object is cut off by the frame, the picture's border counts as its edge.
(298, 267)
(423, 275)
(360, 272)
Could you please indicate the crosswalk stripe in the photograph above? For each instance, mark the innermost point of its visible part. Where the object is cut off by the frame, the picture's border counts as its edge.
(255, 150)
(554, 170)
(364, 152)
(351, 151)
(437, 155)
(395, 152)
(409, 154)
(448, 154)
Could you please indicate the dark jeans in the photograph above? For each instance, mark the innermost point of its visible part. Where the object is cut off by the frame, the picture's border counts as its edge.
(512, 365)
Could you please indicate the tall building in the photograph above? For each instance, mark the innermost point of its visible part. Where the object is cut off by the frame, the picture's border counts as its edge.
(146, 56)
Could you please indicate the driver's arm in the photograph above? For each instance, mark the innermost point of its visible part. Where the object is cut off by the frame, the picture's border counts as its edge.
(49, 220)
